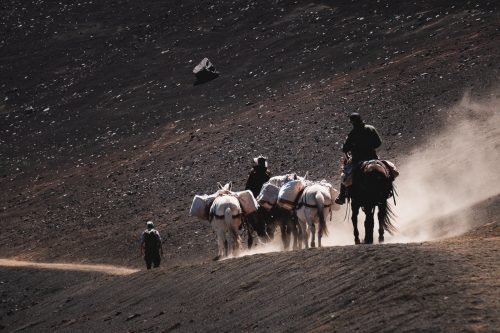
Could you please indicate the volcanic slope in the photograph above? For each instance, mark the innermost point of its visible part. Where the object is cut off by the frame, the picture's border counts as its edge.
(102, 129)
(444, 286)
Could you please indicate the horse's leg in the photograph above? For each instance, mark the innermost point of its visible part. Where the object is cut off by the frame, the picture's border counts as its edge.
(322, 223)
(231, 238)
(296, 236)
(249, 228)
(270, 230)
(382, 212)
(305, 235)
(221, 244)
(290, 227)
(312, 227)
(249, 239)
(310, 222)
(369, 222)
(355, 211)
(284, 239)
(236, 242)
(226, 248)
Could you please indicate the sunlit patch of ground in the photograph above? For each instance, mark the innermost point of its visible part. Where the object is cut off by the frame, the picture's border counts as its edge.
(107, 269)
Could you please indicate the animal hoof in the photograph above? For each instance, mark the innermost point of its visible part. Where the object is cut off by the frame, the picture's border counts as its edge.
(216, 258)
(356, 241)
(381, 239)
(313, 244)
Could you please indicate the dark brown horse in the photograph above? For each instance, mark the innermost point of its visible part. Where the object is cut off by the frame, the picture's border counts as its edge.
(372, 187)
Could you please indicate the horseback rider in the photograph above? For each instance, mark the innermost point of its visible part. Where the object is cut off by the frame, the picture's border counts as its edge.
(359, 146)
(259, 175)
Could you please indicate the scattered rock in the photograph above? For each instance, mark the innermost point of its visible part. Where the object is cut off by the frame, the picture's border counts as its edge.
(205, 71)
(135, 315)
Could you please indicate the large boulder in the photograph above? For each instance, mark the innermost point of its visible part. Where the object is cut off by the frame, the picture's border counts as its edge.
(205, 71)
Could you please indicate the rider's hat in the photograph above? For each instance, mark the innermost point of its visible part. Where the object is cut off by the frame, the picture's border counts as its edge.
(260, 161)
(355, 118)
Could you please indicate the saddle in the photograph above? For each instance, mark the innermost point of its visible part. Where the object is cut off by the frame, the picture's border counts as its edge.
(387, 167)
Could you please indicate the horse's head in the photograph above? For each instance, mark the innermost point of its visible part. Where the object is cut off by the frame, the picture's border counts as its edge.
(226, 187)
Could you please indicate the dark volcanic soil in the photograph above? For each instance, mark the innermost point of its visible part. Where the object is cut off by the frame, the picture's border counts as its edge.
(102, 129)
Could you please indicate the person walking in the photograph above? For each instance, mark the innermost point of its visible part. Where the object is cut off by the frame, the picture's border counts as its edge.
(151, 246)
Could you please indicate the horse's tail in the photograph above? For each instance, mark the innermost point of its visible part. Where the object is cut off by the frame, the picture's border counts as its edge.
(323, 229)
(388, 218)
(228, 216)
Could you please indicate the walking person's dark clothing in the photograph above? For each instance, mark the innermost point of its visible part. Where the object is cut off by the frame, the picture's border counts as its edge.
(151, 246)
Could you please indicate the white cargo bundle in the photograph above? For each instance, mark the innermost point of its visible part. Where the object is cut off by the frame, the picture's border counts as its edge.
(333, 193)
(268, 195)
(247, 201)
(289, 193)
(281, 180)
(201, 205)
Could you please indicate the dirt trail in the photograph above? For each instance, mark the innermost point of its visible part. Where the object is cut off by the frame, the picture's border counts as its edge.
(107, 269)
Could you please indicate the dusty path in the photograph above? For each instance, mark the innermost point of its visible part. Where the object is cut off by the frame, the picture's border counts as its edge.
(107, 269)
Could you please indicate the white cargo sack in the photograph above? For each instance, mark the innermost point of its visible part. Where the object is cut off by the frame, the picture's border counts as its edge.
(289, 192)
(268, 195)
(333, 194)
(247, 201)
(201, 206)
(281, 180)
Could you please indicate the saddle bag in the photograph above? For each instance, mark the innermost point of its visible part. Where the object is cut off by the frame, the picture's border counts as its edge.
(393, 171)
(247, 201)
(201, 206)
(268, 195)
(289, 192)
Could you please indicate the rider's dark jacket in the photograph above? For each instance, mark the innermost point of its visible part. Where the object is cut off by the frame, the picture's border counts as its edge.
(362, 142)
(257, 177)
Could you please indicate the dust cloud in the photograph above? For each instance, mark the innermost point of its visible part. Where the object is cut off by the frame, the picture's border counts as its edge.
(449, 173)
